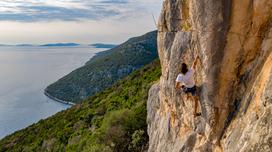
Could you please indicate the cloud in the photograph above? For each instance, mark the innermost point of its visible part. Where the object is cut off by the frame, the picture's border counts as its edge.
(80, 21)
(73, 10)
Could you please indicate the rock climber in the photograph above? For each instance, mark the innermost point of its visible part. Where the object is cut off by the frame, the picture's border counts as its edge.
(185, 82)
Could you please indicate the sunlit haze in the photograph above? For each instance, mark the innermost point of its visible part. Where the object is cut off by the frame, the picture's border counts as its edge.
(79, 21)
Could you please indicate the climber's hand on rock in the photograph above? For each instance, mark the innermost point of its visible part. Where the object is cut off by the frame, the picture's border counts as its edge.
(177, 85)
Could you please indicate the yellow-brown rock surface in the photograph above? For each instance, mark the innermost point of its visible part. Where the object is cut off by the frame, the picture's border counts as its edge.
(233, 39)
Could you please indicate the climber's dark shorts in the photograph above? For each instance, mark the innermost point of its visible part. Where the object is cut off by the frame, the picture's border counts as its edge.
(190, 90)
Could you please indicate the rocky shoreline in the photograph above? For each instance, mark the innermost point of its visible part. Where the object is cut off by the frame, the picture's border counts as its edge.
(58, 100)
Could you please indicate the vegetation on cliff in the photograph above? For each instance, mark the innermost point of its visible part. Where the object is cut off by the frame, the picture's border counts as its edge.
(105, 69)
(112, 120)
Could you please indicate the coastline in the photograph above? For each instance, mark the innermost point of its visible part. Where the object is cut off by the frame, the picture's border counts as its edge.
(58, 100)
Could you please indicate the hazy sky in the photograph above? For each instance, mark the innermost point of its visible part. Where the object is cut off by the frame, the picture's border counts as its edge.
(80, 21)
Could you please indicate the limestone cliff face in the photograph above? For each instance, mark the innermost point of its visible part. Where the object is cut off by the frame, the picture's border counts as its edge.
(233, 39)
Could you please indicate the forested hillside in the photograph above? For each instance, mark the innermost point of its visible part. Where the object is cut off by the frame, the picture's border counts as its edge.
(105, 69)
(112, 120)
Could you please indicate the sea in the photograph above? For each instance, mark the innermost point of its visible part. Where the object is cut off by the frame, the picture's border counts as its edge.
(25, 71)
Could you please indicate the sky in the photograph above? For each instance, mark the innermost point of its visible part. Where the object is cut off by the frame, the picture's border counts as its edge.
(79, 21)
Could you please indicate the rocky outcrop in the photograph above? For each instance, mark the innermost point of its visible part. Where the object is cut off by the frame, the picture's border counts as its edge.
(233, 39)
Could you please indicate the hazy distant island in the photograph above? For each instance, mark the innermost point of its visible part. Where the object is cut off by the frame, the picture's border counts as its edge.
(17, 45)
(103, 45)
(95, 45)
(60, 45)
(4, 45)
(28, 45)
(43, 45)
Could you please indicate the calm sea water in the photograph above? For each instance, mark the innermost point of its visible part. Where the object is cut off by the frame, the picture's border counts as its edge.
(24, 73)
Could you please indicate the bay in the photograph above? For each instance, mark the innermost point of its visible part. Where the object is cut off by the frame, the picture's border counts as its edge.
(24, 74)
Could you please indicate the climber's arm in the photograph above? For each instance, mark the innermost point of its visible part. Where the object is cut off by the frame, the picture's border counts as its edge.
(178, 81)
(177, 85)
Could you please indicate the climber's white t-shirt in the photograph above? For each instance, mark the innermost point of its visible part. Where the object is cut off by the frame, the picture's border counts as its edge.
(187, 79)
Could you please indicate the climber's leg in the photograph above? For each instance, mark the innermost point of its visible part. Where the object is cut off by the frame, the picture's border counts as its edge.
(187, 96)
(193, 92)
(196, 107)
